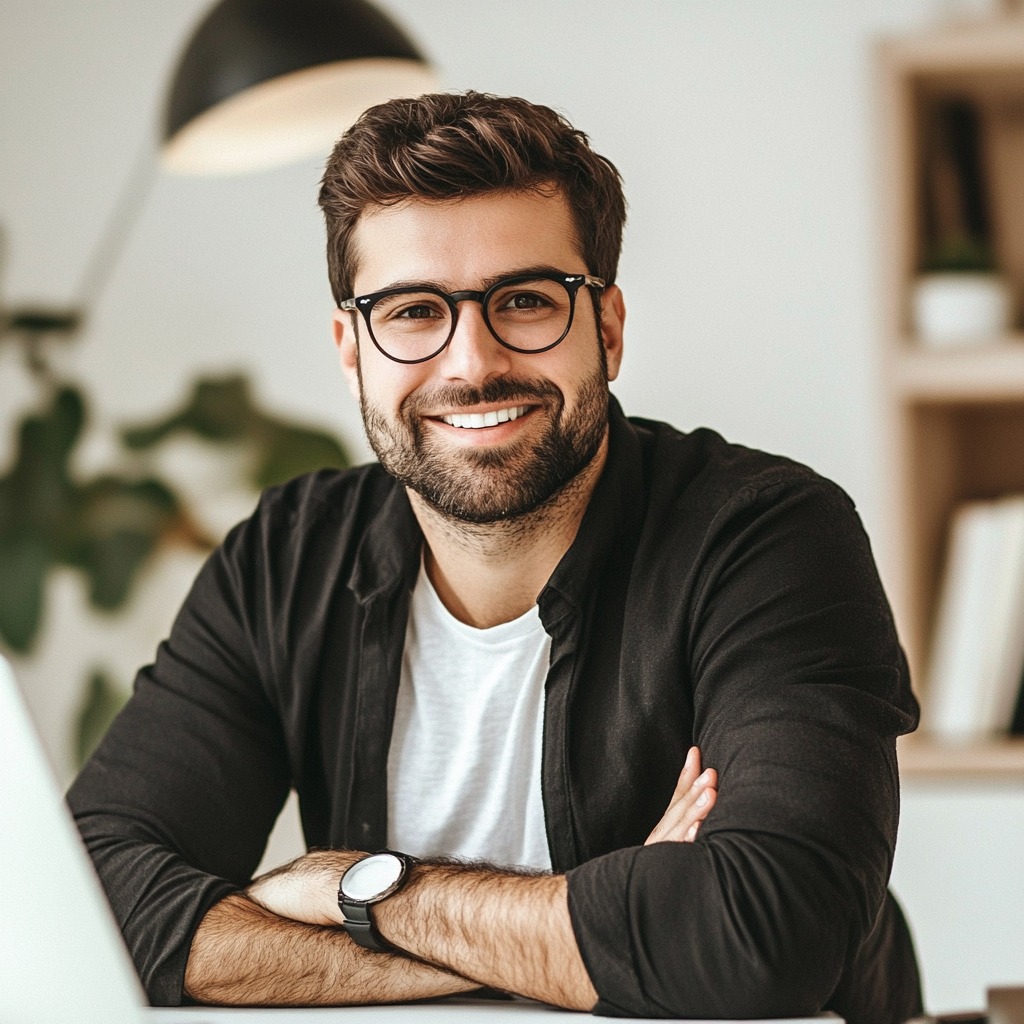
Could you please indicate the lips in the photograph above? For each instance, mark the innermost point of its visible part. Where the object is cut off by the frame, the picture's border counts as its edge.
(476, 420)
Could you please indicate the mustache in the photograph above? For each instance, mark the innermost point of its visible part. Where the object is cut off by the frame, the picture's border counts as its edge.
(499, 389)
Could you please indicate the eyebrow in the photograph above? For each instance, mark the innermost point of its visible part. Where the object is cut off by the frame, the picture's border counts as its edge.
(487, 282)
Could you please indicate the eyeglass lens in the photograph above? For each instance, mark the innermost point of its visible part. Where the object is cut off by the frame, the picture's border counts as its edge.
(525, 314)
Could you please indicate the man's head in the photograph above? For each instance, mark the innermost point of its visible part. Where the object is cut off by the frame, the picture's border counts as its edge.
(453, 224)
(457, 145)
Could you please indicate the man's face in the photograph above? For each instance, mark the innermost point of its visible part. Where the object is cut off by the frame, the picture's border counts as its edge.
(551, 406)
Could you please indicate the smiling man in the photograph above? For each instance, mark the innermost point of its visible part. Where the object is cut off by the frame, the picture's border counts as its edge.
(490, 665)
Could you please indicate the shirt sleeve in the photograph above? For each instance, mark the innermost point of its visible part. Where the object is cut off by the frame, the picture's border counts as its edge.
(177, 802)
(799, 690)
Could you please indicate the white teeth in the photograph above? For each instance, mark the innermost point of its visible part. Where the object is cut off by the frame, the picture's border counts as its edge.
(475, 420)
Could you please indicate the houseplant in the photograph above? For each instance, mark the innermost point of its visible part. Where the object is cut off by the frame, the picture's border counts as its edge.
(109, 526)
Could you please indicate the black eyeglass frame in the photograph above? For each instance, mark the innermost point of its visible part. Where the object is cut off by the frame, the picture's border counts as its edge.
(571, 282)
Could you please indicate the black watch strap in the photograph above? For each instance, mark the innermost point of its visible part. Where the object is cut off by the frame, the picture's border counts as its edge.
(359, 924)
(358, 914)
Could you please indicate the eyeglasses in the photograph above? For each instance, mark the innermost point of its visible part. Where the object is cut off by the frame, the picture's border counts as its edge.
(524, 312)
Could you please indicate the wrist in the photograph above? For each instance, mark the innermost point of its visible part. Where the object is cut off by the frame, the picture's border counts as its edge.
(325, 867)
(390, 914)
(365, 888)
(306, 889)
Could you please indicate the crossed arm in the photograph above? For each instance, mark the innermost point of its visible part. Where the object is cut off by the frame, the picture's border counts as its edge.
(463, 926)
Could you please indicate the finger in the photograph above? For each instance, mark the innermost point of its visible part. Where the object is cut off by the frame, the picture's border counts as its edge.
(689, 774)
(702, 796)
(687, 800)
(692, 807)
(681, 828)
(698, 810)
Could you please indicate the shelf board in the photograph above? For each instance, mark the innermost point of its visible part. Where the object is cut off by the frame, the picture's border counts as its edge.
(999, 759)
(966, 45)
(989, 372)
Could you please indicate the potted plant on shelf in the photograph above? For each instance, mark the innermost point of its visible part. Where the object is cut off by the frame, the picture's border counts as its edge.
(960, 298)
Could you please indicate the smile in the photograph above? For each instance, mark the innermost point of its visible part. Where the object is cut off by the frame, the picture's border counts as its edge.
(476, 420)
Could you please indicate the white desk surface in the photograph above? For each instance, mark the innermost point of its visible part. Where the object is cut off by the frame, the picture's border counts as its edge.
(456, 1011)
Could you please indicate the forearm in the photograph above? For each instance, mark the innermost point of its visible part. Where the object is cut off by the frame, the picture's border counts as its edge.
(507, 931)
(242, 954)
(504, 930)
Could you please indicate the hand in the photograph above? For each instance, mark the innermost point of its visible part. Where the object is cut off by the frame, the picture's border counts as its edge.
(307, 888)
(694, 796)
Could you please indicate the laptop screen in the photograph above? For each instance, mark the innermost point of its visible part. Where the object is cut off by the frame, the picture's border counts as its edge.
(61, 953)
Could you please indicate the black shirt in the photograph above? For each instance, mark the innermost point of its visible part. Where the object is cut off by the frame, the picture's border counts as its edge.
(713, 595)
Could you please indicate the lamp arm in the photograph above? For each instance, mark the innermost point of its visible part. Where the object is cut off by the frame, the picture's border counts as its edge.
(32, 325)
(118, 228)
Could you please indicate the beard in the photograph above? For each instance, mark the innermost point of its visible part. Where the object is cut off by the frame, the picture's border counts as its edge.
(495, 484)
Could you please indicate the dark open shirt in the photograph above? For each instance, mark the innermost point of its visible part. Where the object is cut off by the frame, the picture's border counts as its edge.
(713, 595)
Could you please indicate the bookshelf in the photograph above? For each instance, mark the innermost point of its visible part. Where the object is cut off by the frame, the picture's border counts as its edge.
(954, 417)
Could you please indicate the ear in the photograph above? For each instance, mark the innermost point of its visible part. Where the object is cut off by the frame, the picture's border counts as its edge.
(613, 319)
(348, 348)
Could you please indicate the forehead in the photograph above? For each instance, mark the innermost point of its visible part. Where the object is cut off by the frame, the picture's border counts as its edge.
(456, 243)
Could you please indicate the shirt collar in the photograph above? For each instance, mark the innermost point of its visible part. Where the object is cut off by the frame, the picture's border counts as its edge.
(389, 553)
(611, 523)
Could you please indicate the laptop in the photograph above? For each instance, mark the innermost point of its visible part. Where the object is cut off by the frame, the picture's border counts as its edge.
(61, 954)
(62, 959)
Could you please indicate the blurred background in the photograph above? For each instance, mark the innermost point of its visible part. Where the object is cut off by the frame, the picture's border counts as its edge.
(745, 133)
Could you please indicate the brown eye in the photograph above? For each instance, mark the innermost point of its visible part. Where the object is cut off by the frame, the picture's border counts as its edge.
(417, 313)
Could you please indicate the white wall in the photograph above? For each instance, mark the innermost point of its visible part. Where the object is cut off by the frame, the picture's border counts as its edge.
(743, 130)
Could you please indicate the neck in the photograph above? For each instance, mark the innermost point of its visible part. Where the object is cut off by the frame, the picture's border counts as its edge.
(490, 573)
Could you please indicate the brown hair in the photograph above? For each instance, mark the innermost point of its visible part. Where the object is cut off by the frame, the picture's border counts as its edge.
(455, 145)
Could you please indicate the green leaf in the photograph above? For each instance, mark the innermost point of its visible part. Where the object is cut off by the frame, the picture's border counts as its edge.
(101, 701)
(288, 451)
(961, 255)
(37, 498)
(24, 561)
(219, 409)
(46, 440)
(121, 522)
(222, 409)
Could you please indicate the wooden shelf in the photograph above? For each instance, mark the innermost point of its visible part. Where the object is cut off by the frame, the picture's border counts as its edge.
(972, 48)
(999, 760)
(989, 372)
(954, 418)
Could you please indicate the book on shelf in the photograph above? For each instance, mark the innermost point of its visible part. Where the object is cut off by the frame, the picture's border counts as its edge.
(1017, 722)
(955, 206)
(977, 655)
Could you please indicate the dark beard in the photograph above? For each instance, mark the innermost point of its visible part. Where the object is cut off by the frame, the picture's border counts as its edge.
(497, 484)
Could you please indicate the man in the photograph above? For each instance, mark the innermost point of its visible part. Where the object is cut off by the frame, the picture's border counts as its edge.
(503, 642)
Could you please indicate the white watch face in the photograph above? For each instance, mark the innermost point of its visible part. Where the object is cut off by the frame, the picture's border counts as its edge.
(371, 876)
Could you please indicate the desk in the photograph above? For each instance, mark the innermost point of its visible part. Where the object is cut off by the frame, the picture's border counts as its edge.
(449, 1011)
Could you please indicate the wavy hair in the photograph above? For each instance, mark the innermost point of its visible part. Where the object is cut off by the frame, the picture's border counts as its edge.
(456, 145)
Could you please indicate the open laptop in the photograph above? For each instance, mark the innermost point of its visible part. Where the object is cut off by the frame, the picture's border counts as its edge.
(62, 959)
(61, 954)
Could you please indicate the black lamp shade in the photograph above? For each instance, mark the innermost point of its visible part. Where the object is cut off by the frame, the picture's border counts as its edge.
(264, 82)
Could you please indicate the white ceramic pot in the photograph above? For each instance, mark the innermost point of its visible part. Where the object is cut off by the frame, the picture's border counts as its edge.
(960, 308)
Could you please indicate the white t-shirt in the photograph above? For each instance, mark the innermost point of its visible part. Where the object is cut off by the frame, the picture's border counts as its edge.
(464, 766)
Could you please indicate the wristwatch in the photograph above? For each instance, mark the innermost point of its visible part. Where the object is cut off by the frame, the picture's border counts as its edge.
(371, 880)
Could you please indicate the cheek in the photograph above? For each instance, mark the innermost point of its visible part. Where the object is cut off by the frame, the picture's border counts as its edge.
(576, 374)
(387, 386)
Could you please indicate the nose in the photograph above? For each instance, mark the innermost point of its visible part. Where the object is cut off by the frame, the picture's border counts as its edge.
(474, 354)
